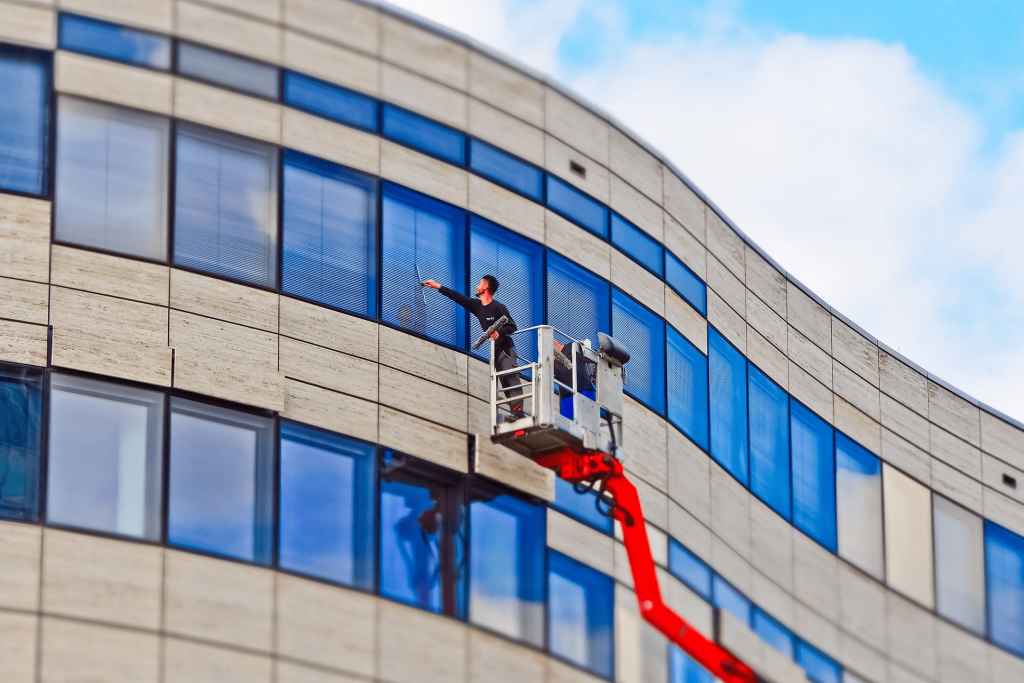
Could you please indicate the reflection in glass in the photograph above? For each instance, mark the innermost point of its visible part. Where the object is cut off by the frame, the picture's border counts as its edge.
(330, 101)
(686, 370)
(221, 490)
(959, 564)
(424, 134)
(577, 206)
(685, 283)
(727, 372)
(773, 633)
(580, 614)
(506, 170)
(21, 427)
(819, 667)
(225, 215)
(506, 569)
(112, 179)
(689, 569)
(643, 333)
(637, 244)
(1004, 555)
(814, 476)
(327, 505)
(577, 300)
(685, 670)
(769, 441)
(224, 69)
(114, 42)
(24, 121)
(859, 506)
(580, 506)
(731, 600)
(105, 467)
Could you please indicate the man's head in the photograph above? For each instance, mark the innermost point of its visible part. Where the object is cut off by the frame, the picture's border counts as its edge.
(489, 284)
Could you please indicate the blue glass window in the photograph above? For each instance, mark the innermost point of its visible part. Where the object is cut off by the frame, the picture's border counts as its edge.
(580, 614)
(859, 506)
(637, 244)
(687, 370)
(329, 241)
(819, 667)
(814, 481)
(24, 120)
(422, 527)
(507, 547)
(774, 633)
(769, 441)
(727, 370)
(689, 569)
(518, 264)
(114, 42)
(327, 504)
(731, 600)
(580, 506)
(112, 178)
(221, 481)
(506, 170)
(425, 135)
(685, 670)
(422, 239)
(578, 301)
(577, 206)
(225, 209)
(224, 69)
(21, 432)
(1004, 554)
(643, 334)
(330, 101)
(685, 283)
(105, 463)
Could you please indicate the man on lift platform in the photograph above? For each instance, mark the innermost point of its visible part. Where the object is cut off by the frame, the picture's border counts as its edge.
(487, 310)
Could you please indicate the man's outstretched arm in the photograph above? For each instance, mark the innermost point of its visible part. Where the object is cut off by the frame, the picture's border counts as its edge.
(471, 305)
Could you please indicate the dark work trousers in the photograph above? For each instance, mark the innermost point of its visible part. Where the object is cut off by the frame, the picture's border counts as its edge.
(507, 360)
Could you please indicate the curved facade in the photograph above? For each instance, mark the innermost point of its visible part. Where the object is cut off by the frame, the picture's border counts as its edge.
(237, 442)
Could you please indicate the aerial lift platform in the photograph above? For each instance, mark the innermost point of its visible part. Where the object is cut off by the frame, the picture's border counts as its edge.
(581, 438)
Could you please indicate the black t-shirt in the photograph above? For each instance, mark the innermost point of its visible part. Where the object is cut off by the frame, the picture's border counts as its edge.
(486, 315)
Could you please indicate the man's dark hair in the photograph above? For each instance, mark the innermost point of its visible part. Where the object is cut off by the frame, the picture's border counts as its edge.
(492, 283)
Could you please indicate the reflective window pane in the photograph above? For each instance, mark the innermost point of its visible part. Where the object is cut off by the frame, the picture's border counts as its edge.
(329, 241)
(221, 481)
(112, 179)
(577, 207)
(725, 597)
(859, 506)
(685, 283)
(769, 441)
(774, 633)
(959, 564)
(643, 334)
(507, 546)
(637, 244)
(330, 101)
(24, 119)
(814, 476)
(578, 301)
(327, 505)
(819, 667)
(687, 377)
(908, 536)
(1004, 554)
(581, 506)
(685, 670)
(689, 569)
(580, 614)
(21, 431)
(424, 134)
(422, 239)
(105, 468)
(727, 370)
(506, 170)
(114, 42)
(225, 206)
(227, 70)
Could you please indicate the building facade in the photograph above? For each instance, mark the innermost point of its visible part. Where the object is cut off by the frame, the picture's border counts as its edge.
(238, 442)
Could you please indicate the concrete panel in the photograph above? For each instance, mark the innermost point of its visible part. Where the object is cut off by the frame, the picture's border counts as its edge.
(287, 672)
(955, 452)
(326, 368)
(854, 351)
(423, 95)
(773, 599)
(423, 398)
(810, 319)
(819, 631)
(906, 456)
(101, 579)
(771, 544)
(417, 646)
(727, 286)
(24, 25)
(423, 359)
(576, 126)
(726, 245)
(328, 140)
(767, 358)
(497, 660)
(912, 636)
(961, 656)
(101, 79)
(559, 672)
(957, 486)
(577, 244)
(816, 576)
(331, 63)
(993, 472)
(24, 238)
(24, 301)
(856, 425)
(810, 357)
(325, 625)
(222, 300)
(1003, 666)
(19, 566)
(904, 421)
(339, 21)
(731, 565)
(75, 651)
(1003, 510)
(327, 328)
(506, 88)
(268, 10)
(954, 414)
(23, 343)
(767, 322)
(226, 110)
(862, 606)
(687, 321)
(511, 469)
(653, 501)
(685, 206)
(646, 444)
(767, 283)
(425, 52)
(635, 165)
(730, 511)
(218, 601)
(156, 15)
(189, 662)
(228, 31)
(727, 321)
(856, 655)
(638, 282)
(855, 389)
(426, 174)
(559, 158)
(423, 439)
(689, 605)
(112, 275)
(689, 476)
(581, 542)
(506, 208)
(331, 410)
(225, 360)
(686, 247)
(637, 208)
(18, 646)
(810, 392)
(506, 132)
(1002, 439)
(903, 383)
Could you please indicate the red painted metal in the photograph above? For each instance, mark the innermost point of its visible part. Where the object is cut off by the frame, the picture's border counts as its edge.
(585, 468)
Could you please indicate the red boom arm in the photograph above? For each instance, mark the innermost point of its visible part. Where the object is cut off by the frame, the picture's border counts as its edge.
(579, 468)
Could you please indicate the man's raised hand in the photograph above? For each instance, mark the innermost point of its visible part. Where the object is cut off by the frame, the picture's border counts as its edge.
(431, 283)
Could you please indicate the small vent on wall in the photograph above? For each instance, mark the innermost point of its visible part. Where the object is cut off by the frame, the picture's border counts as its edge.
(577, 169)
(1010, 481)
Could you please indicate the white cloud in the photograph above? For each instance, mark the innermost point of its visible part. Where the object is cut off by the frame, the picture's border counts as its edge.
(853, 169)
